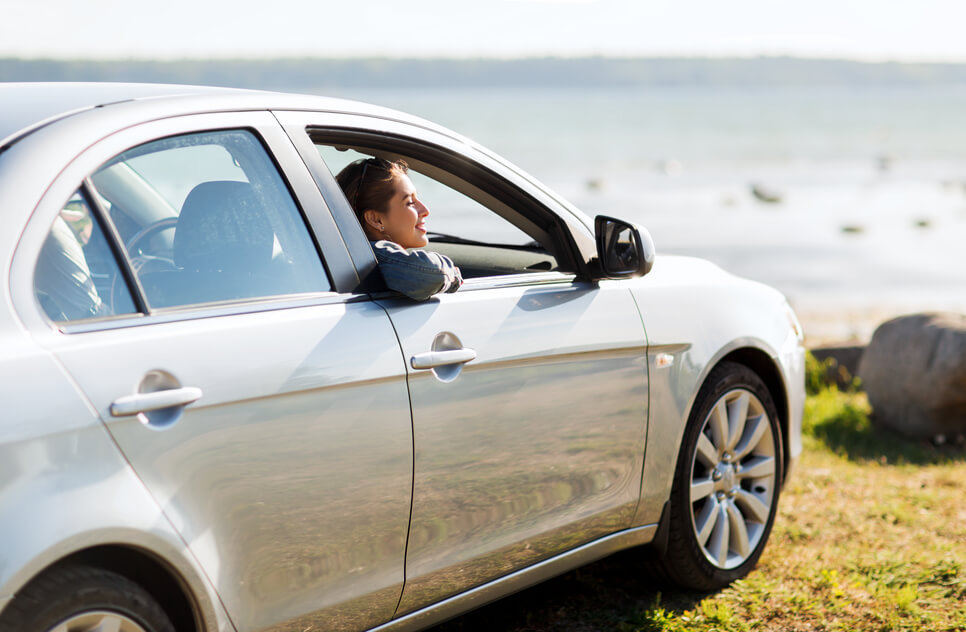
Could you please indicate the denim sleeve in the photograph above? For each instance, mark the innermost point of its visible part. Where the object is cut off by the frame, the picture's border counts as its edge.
(416, 273)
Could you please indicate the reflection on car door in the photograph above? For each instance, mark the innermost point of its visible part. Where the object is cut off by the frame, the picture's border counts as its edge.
(537, 445)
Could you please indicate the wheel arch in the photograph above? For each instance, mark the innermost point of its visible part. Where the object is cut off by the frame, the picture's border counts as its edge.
(765, 367)
(148, 571)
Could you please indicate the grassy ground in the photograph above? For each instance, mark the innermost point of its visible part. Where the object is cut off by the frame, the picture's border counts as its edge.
(871, 535)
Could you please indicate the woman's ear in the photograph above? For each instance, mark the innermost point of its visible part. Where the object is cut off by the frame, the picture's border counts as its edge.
(373, 221)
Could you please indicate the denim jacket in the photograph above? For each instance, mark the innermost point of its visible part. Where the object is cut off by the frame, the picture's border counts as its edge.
(416, 273)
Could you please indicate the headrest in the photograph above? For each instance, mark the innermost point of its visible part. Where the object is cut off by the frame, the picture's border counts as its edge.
(222, 226)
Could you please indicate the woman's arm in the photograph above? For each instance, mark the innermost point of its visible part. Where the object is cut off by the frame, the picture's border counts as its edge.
(418, 273)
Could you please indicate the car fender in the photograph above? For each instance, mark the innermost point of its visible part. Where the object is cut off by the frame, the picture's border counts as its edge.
(696, 315)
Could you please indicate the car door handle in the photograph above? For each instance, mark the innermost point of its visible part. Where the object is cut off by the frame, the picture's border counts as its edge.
(433, 359)
(156, 400)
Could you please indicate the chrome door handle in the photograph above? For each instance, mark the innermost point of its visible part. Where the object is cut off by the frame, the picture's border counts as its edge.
(156, 400)
(433, 359)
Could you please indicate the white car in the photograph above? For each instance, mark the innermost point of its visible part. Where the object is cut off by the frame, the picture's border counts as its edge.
(216, 417)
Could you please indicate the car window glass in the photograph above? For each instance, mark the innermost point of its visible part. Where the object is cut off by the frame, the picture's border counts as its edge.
(207, 218)
(77, 275)
(480, 241)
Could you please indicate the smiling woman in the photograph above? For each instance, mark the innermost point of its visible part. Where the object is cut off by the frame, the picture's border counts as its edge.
(393, 218)
(385, 201)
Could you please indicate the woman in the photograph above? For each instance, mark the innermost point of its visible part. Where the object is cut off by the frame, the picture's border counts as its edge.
(392, 216)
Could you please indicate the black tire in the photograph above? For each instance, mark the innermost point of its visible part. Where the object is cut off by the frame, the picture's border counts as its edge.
(68, 598)
(725, 494)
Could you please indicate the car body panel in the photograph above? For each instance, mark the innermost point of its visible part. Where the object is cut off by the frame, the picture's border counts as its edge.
(537, 447)
(50, 102)
(519, 580)
(66, 487)
(290, 478)
(721, 310)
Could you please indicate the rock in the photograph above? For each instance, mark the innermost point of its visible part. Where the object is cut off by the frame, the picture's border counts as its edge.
(914, 372)
(765, 194)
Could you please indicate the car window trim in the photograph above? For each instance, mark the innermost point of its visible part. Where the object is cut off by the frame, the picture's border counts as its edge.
(200, 311)
(116, 244)
(479, 177)
(518, 280)
(349, 231)
(313, 207)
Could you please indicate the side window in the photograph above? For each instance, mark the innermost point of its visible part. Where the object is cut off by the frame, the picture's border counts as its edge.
(207, 218)
(77, 275)
(479, 239)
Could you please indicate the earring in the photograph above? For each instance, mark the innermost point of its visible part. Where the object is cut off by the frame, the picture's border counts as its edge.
(382, 228)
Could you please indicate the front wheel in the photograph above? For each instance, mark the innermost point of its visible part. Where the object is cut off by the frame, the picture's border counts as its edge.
(726, 485)
(83, 599)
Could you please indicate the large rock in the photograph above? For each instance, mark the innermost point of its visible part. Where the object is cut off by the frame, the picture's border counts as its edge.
(914, 371)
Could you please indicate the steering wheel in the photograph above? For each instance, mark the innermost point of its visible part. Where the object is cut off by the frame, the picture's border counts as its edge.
(138, 261)
(149, 231)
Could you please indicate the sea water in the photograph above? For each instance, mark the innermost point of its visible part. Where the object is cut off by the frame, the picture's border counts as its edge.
(851, 201)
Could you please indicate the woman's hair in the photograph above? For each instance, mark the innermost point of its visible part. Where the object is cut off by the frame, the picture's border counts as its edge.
(369, 183)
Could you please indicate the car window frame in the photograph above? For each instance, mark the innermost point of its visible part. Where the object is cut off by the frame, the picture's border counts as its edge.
(476, 184)
(486, 178)
(318, 220)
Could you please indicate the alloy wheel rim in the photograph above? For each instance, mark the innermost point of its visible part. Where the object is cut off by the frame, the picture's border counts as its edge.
(733, 476)
(98, 621)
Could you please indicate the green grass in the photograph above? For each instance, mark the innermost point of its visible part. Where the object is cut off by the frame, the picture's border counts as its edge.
(870, 535)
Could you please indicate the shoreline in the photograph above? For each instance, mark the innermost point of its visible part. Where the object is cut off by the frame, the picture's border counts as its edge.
(853, 326)
(850, 328)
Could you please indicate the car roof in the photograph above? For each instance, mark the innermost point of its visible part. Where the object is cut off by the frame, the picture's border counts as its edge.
(30, 106)
(27, 106)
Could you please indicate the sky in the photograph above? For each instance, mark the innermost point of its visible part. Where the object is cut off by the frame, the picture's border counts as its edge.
(866, 30)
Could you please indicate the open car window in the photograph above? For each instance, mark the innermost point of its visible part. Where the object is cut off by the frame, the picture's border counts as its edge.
(478, 236)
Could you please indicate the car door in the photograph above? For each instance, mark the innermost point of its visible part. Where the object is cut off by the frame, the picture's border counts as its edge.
(531, 441)
(537, 445)
(262, 403)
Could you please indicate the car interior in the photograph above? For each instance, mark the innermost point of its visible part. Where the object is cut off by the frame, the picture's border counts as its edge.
(206, 218)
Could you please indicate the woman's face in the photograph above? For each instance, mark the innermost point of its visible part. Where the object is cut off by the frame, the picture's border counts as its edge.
(403, 219)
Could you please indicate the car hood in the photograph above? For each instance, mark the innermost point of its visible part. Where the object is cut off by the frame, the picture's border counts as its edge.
(682, 271)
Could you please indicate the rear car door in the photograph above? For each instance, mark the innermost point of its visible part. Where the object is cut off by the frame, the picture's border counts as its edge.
(262, 403)
(535, 446)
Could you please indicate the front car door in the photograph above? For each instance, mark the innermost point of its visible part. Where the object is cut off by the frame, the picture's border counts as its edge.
(290, 475)
(536, 445)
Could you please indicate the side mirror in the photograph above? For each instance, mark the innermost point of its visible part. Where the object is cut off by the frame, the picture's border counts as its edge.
(623, 249)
